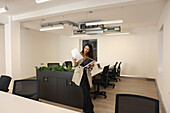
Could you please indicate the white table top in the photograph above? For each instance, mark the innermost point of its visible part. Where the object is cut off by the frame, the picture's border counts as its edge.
(15, 104)
(96, 70)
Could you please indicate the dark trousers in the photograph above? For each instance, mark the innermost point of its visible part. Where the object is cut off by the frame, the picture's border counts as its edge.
(88, 105)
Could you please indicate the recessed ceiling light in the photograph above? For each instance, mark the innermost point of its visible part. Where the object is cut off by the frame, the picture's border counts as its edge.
(41, 1)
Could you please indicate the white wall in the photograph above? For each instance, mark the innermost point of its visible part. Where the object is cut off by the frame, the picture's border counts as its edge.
(164, 79)
(2, 50)
(137, 51)
(65, 45)
(37, 47)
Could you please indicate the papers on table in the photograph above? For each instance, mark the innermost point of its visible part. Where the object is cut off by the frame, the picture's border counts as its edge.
(76, 54)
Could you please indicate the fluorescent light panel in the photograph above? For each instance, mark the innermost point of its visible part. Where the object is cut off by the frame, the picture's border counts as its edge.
(104, 22)
(41, 1)
(51, 28)
(119, 33)
(3, 9)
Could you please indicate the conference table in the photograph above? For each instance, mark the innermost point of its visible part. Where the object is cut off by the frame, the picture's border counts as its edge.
(11, 103)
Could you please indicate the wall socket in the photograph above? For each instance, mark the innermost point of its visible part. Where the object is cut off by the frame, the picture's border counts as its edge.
(41, 63)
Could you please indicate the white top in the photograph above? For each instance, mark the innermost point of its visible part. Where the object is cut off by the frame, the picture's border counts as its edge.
(15, 104)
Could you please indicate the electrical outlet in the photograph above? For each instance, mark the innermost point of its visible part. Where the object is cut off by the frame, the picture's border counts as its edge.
(41, 63)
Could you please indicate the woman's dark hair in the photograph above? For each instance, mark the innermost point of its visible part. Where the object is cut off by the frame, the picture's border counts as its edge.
(90, 53)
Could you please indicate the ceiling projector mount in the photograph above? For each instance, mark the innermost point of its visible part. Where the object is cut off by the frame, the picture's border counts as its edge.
(95, 29)
(84, 28)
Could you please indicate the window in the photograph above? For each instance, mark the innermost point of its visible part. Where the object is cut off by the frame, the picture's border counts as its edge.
(94, 44)
(160, 57)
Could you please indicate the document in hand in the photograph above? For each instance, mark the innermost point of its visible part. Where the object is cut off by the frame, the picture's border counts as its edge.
(87, 61)
(76, 54)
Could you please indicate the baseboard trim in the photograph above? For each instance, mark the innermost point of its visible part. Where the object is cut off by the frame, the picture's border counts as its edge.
(160, 98)
(138, 77)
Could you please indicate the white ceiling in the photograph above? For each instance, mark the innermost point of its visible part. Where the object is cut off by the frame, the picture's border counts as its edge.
(23, 6)
(134, 14)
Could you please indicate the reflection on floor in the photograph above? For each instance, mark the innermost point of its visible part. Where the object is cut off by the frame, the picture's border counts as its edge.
(126, 85)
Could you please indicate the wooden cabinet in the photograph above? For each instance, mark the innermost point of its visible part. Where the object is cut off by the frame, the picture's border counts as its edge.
(57, 87)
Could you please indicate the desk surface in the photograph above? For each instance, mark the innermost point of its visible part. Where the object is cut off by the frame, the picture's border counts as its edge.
(15, 104)
(96, 70)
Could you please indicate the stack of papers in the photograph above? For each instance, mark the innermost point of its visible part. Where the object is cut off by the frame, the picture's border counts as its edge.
(76, 54)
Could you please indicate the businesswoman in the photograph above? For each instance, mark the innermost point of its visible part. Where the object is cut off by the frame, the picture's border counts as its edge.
(82, 77)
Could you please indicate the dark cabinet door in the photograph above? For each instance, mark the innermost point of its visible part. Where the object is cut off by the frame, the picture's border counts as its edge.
(51, 89)
(63, 91)
(42, 93)
(48, 88)
(76, 96)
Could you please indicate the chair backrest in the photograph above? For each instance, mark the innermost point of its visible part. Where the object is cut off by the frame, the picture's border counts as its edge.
(119, 69)
(99, 66)
(105, 72)
(28, 88)
(128, 103)
(50, 64)
(115, 65)
(68, 63)
(4, 83)
(114, 70)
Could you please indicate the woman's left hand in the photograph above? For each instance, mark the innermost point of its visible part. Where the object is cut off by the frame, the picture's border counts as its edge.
(91, 66)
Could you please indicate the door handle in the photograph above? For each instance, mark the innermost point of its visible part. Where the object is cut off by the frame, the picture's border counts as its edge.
(45, 79)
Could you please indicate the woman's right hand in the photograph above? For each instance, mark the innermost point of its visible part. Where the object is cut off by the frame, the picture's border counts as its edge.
(74, 60)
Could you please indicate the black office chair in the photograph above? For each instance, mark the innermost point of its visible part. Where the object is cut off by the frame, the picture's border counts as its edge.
(4, 83)
(67, 63)
(100, 81)
(113, 73)
(129, 103)
(118, 71)
(28, 88)
(51, 64)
